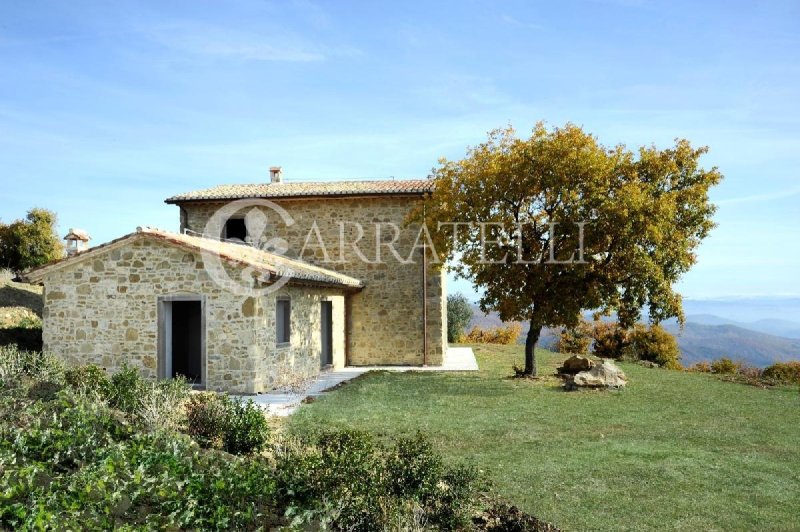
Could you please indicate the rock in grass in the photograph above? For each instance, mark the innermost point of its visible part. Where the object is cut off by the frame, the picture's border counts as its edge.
(575, 364)
(606, 375)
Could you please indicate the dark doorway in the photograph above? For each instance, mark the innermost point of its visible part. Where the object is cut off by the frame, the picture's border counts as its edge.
(326, 318)
(186, 346)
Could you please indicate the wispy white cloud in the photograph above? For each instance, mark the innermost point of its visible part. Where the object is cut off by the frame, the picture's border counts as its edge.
(768, 196)
(216, 41)
(508, 19)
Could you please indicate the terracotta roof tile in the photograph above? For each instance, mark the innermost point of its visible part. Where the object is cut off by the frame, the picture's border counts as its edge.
(293, 190)
(237, 254)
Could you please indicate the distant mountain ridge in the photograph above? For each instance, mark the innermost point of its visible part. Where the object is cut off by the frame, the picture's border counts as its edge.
(707, 337)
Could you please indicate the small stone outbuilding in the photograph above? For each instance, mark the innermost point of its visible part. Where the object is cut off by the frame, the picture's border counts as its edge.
(152, 300)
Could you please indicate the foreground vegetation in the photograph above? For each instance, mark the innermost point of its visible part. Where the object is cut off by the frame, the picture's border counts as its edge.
(83, 450)
(674, 450)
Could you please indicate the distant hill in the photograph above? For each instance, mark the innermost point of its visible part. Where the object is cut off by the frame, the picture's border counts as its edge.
(716, 338)
(785, 328)
(706, 342)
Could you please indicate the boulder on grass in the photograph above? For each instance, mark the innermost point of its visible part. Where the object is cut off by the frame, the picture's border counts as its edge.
(575, 364)
(605, 375)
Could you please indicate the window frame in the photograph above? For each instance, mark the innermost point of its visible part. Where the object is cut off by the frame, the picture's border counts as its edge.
(226, 236)
(283, 322)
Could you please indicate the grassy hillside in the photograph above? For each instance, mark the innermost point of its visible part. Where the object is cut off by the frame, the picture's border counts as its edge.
(20, 313)
(673, 450)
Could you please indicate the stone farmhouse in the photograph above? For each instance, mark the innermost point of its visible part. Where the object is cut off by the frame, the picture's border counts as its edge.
(263, 285)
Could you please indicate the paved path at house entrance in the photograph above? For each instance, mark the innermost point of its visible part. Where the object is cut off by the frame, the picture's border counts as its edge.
(285, 403)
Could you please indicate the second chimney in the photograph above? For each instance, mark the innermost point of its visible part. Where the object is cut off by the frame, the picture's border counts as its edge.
(276, 174)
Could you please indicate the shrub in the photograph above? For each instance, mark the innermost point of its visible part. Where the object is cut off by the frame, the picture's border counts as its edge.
(218, 421)
(126, 389)
(506, 335)
(351, 482)
(574, 340)
(205, 418)
(161, 404)
(610, 340)
(246, 427)
(89, 380)
(16, 363)
(657, 345)
(701, 367)
(783, 372)
(724, 366)
(459, 314)
(72, 464)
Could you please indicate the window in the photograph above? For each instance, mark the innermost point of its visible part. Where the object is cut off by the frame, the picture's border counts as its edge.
(235, 229)
(283, 321)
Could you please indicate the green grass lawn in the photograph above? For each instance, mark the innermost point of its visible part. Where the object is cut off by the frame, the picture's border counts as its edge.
(672, 451)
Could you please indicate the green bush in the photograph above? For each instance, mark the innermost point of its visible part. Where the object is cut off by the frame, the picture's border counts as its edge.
(246, 427)
(205, 419)
(89, 380)
(610, 340)
(459, 314)
(351, 482)
(574, 340)
(73, 464)
(701, 367)
(783, 372)
(220, 422)
(724, 366)
(127, 387)
(505, 335)
(657, 345)
(16, 363)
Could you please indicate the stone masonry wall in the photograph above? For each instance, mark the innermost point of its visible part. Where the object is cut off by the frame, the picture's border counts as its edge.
(387, 315)
(104, 310)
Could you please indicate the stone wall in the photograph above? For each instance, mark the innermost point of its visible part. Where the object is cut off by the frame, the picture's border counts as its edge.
(387, 315)
(104, 310)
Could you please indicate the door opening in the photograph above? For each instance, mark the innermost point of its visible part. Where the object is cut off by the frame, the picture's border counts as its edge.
(182, 328)
(326, 319)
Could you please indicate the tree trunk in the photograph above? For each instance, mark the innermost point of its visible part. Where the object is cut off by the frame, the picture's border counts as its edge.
(530, 348)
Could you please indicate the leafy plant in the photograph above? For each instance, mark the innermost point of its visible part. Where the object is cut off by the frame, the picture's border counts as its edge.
(219, 421)
(126, 389)
(459, 314)
(724, 366)
(205, 418)
(657, 345)
(89, 380)
(610, 340)
(246, 427)
(783, 372)
(574, 340)
(504, 335)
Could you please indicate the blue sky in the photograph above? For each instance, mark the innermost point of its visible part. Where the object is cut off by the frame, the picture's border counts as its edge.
(107, 108)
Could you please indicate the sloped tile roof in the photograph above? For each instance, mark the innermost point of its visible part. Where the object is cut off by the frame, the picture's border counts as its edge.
(237, 254)
(383, 187)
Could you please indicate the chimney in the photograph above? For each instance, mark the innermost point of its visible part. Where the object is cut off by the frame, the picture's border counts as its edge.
(77, 241)
(275, 174)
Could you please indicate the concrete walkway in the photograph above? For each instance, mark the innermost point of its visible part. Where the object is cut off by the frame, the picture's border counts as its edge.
(285, 403)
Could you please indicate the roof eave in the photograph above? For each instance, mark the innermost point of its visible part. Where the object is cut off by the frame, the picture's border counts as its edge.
(178, 201)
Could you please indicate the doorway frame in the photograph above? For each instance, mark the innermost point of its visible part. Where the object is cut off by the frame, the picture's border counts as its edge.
(326, 303)
(164, 304)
